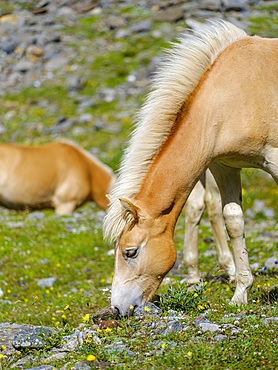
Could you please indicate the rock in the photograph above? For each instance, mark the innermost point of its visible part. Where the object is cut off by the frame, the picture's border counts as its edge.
(31, 338)
(201, 319)
(211, 4)
(172, 327)
(269, 213)
(46, 282)
(220, 338)
(105, 313)
(23, 361)
(71, 342)
(271, 263)
(75, 340)
(57, 62)
(255, 266)
(209, 327)
(55, 357)
(24, 66)
(122, 34)
(170, 14)
(75, 83)
(85, 118)
(114, 22)
(249, 213)
(258, 206)
(7, 47)
(143, 26)
(79, 365)
(238, 5)
(270, 321)
(147, 310)
(1, 293)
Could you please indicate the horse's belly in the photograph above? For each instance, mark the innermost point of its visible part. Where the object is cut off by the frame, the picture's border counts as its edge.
(23, 194)
(237, 162)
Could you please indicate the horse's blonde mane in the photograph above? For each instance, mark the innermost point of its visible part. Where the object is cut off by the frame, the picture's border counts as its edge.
(175, 80)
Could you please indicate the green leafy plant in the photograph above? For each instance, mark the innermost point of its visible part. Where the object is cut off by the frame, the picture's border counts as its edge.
(181, 298)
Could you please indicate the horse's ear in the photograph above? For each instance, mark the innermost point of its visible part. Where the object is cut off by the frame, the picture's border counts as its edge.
(130, 208)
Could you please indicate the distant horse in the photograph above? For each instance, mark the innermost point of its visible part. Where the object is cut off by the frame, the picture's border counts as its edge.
(205, 194)
(59, 175)
(214, 105)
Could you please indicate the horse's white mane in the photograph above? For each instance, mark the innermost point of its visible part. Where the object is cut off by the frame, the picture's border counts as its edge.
(175, 80)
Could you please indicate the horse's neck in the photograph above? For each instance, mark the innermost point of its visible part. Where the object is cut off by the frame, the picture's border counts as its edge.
(101, 181)
(174, 172)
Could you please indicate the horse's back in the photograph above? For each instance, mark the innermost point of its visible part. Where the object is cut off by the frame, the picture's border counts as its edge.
(238, 97)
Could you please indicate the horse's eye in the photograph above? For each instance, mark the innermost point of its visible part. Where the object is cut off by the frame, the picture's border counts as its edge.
(131, 253)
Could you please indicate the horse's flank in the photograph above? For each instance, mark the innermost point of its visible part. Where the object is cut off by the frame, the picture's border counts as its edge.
(175, 80)
(59, 175)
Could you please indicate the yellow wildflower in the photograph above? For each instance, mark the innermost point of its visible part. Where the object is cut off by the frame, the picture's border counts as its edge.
(189, 353)
(89, 338)
(108, 330)
(195, 295)
(163, 345)
(200, 307)
(86, 318)
(67, 307)
(147, 309)
(91, 358)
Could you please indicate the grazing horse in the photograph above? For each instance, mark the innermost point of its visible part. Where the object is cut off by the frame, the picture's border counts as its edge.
(205, 194)
(59, 175)
(214, 104)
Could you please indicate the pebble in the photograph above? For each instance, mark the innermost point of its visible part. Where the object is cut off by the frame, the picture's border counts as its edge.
(272, 263)
(46, 282)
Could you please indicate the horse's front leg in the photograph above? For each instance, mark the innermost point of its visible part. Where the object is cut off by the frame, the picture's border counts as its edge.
(214, 208)
(194, 210)
(228, 180)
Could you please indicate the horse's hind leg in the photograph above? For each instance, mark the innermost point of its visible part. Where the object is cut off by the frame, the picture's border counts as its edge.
(193, 213)
(65, 208)
(228, 180)
(214, 208)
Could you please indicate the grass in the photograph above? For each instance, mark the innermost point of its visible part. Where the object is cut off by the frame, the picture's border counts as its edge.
(72, 249)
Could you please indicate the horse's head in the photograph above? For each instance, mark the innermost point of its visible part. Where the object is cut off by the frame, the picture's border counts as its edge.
(144, 253)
